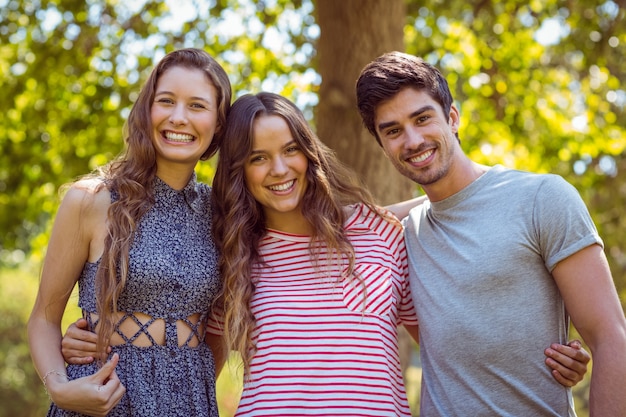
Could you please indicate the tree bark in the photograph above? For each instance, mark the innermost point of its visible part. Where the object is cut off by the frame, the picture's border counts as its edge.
(353, 33)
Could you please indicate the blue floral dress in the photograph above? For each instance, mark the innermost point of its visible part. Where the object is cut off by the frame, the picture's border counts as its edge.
(173, 275)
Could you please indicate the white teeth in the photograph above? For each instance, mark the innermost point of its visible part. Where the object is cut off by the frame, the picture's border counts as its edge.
(282, 187)
(422, 157)
(178, 137)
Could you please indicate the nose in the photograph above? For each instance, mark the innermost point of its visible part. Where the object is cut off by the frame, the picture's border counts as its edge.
(414, 138)
(279, 167)
(178, 115)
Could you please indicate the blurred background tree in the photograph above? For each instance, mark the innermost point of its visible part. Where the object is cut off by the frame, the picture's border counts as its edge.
(539, 85)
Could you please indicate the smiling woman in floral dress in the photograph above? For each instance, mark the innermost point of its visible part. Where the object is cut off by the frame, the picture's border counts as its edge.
(137, 239)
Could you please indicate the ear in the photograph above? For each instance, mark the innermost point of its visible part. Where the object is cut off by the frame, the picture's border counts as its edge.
(454, 119)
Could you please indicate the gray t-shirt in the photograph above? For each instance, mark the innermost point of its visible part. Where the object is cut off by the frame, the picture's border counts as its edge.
(480, 264)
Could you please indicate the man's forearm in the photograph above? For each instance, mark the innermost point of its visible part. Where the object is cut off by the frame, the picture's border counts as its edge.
(607, 395)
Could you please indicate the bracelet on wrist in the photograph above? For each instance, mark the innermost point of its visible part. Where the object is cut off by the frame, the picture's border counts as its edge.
(53, 372)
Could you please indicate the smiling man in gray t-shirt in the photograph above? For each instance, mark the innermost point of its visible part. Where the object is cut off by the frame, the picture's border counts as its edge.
(500, 260)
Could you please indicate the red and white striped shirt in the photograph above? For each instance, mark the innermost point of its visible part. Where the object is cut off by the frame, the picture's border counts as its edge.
(319, 353)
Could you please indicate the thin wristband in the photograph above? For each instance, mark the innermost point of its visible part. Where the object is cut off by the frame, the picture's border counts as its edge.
(53, 372)
(45, 377)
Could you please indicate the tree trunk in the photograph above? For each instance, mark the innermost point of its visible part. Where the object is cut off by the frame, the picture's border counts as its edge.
(353, 33)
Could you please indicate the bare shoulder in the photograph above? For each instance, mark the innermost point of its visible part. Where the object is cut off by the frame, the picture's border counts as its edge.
(88, 196)
(91, 185)
(83, 213)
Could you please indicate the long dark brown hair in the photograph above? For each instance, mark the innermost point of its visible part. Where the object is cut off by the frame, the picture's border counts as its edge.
(132, 176)
(239, 221)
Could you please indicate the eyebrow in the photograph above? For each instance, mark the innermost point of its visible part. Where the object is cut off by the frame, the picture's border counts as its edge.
(258, 151)
(416, 113)
(169, 93)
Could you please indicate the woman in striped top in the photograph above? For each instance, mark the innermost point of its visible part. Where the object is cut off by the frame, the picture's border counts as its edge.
(314, 273)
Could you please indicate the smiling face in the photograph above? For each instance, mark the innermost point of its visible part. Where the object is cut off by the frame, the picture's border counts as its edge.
(184, 117)
(417, 137)
(275, 172)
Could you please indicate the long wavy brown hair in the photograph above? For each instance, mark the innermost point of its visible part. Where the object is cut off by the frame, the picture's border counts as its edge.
(239, 221)
(132, 176)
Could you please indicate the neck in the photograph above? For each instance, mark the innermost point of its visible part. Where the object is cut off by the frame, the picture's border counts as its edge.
(459, 175)
(175, 177)
(289, 223)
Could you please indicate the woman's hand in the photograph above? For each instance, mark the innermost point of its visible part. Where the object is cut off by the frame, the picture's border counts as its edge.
(78, 346)
(568, 362)
(94, 395)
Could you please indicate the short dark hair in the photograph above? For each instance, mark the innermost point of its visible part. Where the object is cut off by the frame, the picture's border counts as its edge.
(391, 73)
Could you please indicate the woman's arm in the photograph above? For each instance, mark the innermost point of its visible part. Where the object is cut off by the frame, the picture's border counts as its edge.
(401, 209)
(68, 250)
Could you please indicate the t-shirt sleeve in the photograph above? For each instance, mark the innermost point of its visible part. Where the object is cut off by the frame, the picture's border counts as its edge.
(406, 310)
(562, 222)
